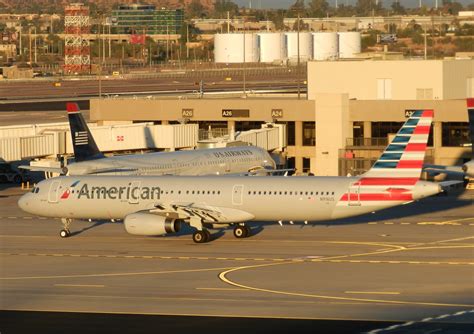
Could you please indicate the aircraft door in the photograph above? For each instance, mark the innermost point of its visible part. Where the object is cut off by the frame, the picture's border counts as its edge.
(237, 194)
(53, 194)
(135, 190)
(354, 195)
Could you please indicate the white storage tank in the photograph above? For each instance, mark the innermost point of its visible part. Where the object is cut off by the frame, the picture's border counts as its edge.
(291, 45)
(349, 44)
(229, 48)
(325, 46)
(271, 46)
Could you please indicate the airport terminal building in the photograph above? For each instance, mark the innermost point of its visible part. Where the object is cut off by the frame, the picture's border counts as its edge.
(351, 110)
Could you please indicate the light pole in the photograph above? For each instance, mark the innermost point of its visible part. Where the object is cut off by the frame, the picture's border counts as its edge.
(298, 62)
(244, 66)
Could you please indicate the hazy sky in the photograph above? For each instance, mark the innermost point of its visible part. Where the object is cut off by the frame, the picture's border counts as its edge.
(287, 3)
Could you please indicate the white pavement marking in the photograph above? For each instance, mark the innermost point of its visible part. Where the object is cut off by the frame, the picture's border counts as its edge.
(81, 285)
(409, 323)
(374, 292)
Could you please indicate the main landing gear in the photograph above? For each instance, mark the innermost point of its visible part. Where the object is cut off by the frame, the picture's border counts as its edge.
(64, 233)
(241, 231)
(202, 236)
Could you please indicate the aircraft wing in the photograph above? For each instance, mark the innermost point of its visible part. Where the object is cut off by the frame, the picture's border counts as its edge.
(44, 169)
(202, 211)
(439, 169)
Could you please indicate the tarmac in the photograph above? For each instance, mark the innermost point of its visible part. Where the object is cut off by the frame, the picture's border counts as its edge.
(410, 267)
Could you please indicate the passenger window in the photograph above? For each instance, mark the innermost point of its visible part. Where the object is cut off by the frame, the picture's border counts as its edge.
(286, 192)
(187, 192)
(291, 193)
(333, 192)
(179, 192)
(259, 192)
(193, 192)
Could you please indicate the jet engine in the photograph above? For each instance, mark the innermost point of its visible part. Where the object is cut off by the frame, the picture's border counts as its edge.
(468, 169)
(141, 223)
(424, 189)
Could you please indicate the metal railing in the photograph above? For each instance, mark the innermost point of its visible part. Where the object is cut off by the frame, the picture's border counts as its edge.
(213, 133)
(350, 163)
(367, 142)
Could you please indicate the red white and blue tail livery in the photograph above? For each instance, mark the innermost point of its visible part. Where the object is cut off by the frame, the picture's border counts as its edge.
(395, 174)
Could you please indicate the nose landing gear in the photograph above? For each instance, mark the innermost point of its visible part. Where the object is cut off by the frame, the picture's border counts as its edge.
(65, 232)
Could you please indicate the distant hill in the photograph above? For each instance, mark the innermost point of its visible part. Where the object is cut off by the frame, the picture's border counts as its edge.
(59, 4)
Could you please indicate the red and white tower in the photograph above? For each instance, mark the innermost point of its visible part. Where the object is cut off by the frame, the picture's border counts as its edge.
(77, 47)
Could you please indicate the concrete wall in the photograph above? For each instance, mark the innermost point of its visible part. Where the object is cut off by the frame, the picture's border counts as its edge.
(332, 129)
(394, 111)
(447, 79)
(125, 109)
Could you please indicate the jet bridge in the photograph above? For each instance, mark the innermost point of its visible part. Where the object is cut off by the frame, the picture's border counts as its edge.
(53, 140)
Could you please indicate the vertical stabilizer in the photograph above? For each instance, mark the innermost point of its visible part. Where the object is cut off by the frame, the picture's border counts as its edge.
(470, 113)
(403, 157)
(83, 143)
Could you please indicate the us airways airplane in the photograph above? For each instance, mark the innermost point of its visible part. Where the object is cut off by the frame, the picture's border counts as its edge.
(89, 160)
(158, 205)
(467, 169)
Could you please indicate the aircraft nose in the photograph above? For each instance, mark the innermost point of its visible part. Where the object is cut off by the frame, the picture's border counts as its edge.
(23, 202)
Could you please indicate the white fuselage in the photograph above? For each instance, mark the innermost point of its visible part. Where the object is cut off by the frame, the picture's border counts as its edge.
(258, 198)
(193, 162)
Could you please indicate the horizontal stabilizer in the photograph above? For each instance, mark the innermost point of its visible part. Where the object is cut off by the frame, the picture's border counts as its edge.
(44, 169)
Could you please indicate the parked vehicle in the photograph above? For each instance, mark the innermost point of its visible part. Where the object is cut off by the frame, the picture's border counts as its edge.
(10, 175)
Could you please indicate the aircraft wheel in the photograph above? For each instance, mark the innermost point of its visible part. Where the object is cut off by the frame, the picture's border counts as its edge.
(200, 237)
(241, 231)
(64, 233)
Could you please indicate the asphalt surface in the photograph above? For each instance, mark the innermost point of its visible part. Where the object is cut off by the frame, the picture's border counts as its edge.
(37, 117)
(41, 89)
(410, 269)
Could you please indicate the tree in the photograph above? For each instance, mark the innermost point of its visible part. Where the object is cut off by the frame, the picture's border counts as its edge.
(398, 8)
(303, 26)
(318, 8)
(195, 9)
(451, 7)
(221, 7)
(277, 17)
(297, 7)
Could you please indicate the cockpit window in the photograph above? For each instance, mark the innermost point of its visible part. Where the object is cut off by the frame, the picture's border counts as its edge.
(35, 190)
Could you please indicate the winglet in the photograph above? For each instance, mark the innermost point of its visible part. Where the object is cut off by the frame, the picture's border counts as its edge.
(72, 107)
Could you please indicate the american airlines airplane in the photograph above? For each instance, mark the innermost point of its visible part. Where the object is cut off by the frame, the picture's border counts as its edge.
(89, 160)
(467, 169)
(154, 206)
